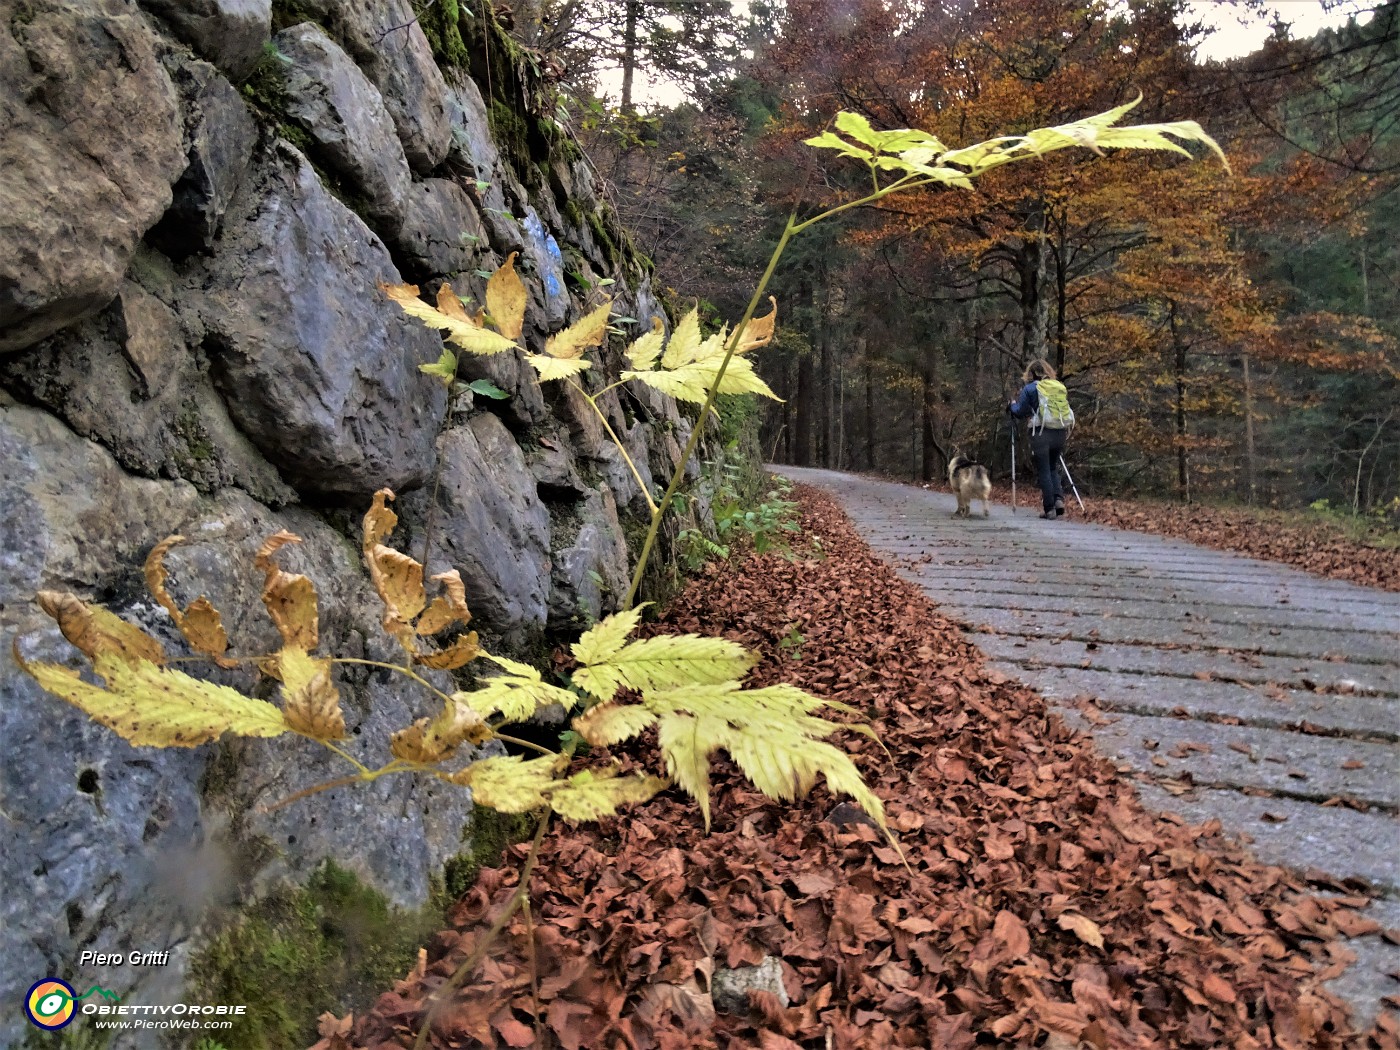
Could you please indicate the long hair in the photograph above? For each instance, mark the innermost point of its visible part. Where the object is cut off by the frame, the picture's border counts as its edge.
(1037, 369)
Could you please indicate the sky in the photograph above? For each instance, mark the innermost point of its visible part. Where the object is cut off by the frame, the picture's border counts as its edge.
(1232, 38)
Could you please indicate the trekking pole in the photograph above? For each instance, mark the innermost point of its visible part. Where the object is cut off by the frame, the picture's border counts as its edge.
(1013, 466)
(1071, 482)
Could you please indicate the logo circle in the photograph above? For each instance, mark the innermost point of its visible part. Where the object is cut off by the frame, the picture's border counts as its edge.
(50, 1004)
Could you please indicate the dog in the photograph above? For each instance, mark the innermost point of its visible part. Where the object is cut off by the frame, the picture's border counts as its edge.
(969, 481)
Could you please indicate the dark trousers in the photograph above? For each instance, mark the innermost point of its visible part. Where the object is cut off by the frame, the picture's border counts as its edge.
(1046, 448)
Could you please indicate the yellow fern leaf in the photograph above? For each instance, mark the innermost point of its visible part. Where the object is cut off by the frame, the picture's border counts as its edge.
(515, 698)
(665, 663)
(687, 742)
(591, 330)
(505, 299)
(594, 794)
(554, 367)
(759, 331)
(97, 632)
(463, 650)
(691, 382)
(509, 784)
(431, 741)
(608, 724)
(290, 597)
(447, 608)
(311, 702)
(201, 623)
(644, 351)
(460, 331)
(151, 706)
(684, 341)
(607, 636)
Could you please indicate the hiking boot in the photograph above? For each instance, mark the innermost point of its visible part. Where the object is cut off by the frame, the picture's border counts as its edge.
(1049, 514)
(1059, 507)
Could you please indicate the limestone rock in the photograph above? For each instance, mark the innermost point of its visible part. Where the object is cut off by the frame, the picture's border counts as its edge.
(91, 144)
(590, 574)
(551, 462)
(118, 848)
(351, 132)
(491, 525)
(127, 379)
(319, 370)
(222, 135)
(386, 40)
(229, 33)
(730, 988)
(442, 234)
(473, 152)
(544, 274)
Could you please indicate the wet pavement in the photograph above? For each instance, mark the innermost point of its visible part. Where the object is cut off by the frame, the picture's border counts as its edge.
(1231, 688)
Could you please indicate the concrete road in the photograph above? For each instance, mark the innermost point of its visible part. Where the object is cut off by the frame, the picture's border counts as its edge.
(1231, 688)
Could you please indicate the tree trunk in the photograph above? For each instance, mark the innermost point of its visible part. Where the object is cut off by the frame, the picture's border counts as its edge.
(629, 53)
(869, 407)
(1249, 482)
(1182, 478)
(802, 423)
(1061, 303)
(824, 387)
(1035, 308)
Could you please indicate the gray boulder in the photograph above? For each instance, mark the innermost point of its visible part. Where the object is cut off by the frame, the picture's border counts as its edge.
(229, 33)
(221, 135)
(730, 988)
(442, 234)
(386, 40)
(127, 379)
(351, 132)
(318, 368)
(91, 144)
(473, 153)
(491, 525)
(114, 848)
(590, 574)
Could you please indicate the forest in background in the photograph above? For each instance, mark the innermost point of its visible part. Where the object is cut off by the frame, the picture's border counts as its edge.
(1223, 335)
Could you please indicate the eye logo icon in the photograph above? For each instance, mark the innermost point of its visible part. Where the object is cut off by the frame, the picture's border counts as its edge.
(50, 1004)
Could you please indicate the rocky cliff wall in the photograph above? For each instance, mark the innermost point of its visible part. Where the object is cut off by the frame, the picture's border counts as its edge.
(197, 200)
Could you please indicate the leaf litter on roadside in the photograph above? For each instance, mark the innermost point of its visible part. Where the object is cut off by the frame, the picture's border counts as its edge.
(1045, 907)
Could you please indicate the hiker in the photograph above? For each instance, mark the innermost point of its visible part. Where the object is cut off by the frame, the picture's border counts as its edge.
(1044, 401)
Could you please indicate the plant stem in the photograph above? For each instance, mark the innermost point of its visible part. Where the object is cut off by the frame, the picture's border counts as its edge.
(520, 742)
(617, 442)
(517, 900)
(679, 473)
(394, 667)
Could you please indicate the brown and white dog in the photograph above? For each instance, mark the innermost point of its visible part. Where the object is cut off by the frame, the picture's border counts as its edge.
(969, 481)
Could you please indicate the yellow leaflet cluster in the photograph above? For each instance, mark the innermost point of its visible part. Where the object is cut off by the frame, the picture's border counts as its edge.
(911, 153)
(689, 689)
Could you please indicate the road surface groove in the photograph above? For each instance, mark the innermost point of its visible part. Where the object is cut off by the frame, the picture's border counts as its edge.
(1231, 688)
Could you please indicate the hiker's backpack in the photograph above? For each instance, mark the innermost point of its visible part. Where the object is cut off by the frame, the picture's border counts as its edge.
(1053, 410)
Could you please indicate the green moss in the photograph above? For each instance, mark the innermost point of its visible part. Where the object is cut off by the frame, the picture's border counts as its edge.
(292, 12)
(574, 213)
(333, 944)
(197, 449)
(266, 86)
(488, 836)
(604, 239)
(511, 135)
(440, 23)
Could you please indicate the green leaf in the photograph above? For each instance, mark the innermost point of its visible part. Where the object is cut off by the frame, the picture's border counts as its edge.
(486, 388)
(445, 368)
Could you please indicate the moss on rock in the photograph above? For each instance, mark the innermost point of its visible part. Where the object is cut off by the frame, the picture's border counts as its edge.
(333, 944)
